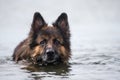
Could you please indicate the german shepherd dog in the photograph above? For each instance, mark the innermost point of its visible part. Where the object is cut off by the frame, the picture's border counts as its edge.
(45, 44)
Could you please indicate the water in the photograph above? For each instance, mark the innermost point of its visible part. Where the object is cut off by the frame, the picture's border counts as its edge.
(95, 40)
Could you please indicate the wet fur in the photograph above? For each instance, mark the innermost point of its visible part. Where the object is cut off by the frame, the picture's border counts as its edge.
(29, 48)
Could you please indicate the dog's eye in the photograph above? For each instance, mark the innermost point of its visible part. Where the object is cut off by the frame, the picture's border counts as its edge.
(43, 42)
(56, 42)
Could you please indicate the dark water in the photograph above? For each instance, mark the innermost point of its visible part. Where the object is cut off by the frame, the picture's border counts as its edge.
(95, 39)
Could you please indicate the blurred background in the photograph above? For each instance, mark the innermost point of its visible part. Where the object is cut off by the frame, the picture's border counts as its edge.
(95, 32)
(88, 19)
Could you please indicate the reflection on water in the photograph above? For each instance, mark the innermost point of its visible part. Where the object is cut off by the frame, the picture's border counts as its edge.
(56, 69)
(39, 72)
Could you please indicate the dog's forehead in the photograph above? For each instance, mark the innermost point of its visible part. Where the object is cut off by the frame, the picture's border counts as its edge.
(50, 27)
(50, 31)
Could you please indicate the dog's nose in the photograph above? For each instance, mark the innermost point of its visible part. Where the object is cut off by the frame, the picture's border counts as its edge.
(50, 54)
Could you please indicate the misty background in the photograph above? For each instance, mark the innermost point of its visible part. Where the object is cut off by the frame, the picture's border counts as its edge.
(89, 19)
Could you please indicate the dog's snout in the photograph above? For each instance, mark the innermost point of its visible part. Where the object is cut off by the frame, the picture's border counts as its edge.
(49, 50)
(50, 53)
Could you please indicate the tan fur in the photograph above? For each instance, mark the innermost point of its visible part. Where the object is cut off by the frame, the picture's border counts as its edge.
(37, 51)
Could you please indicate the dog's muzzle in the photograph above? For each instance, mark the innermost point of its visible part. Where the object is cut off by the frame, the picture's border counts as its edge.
(49, 57)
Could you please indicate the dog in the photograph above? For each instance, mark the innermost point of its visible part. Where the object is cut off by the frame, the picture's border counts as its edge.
(45, 44)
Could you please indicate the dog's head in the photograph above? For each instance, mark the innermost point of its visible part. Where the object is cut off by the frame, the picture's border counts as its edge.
(50, 44)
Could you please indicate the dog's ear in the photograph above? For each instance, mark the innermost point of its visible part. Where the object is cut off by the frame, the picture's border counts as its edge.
(38, 22)
(62, 24)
